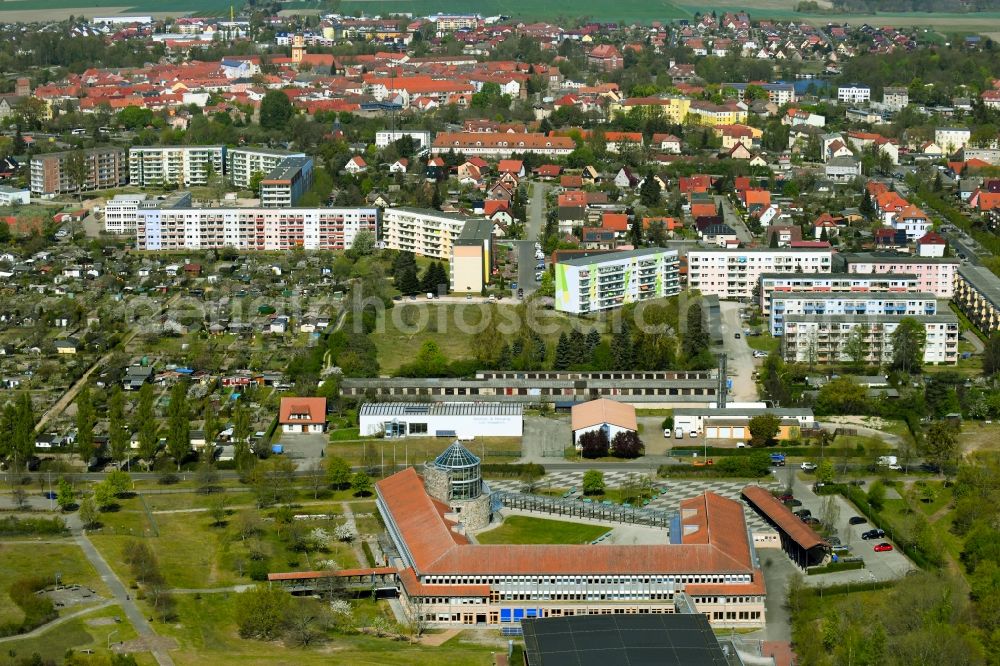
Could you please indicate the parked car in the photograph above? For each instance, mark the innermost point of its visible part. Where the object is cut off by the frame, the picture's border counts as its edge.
(794, 502)
(873, 534)
(803, 513)
(759, 354)
(808, 466)
(49, 494)
(737, 336)
(883, 547)
(809, 520)
(666, 433)
(833, 541)
(857, 520)
(787, 497)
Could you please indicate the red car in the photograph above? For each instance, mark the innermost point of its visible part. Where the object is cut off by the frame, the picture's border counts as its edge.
(883, 547)
(787, 497)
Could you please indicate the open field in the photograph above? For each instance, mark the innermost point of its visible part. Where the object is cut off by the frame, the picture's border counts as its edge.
(206, 632)
(55, 10)
(27, 559)
(416, 450)
(523, 529)
(90, 631)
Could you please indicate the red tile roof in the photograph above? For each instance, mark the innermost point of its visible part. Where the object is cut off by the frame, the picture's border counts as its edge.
(615, 221)
(714, 540)
(313, 408)
(598, 412)
(783, 517)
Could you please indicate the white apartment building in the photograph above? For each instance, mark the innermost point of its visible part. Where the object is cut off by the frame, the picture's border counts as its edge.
(427, 233)
(734, 273)
(421, 138)
(854, 94)
(822, 338)
(951, 138)
(499, 145)
(243, 163)
(606, 281)
(10, 196)
(253, 228)
(285, 184)
(183, 166)
(121, 213)
(935, 275)
(771, 285)
(785, 305)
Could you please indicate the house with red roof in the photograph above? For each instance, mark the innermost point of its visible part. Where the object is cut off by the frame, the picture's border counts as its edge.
(547, 171)
(984, 201)
(617, 222)
(754, 198)
(302, 415)
(931, 245)
(827, 223)
(513, 167)
(356, 165)
(605, 57)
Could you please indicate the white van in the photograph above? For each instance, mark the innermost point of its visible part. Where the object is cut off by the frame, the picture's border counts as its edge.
(679, 432)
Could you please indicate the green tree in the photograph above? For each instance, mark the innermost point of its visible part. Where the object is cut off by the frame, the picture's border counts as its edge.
(593, 482)
(148, 429)
(361, 484)
(338, 472)
(763, 428)
(825, 471)
(118, 433)
(940, 445)
(104, 496)
(260, 612)
(908, 341)
(854, 347)
(991, 356)
(407, 282)
(66, 496)
(210, 425)
(76, 167)
(88, 512)
(275, 110)
(876, 495)
(86, 419)
(178, 424)
(594, 444)
(649, 191)
(255, 180)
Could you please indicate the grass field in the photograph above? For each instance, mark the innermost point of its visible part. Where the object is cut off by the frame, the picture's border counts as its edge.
(764, 342)
(207, 634)
(414, 450)
(86, 632)
(20, 560)
(523, 529)
(91, 8)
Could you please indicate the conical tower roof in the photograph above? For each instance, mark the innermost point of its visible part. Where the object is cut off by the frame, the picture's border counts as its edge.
(456, 456)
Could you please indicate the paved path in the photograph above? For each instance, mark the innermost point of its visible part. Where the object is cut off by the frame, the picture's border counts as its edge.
(732, 218)
(974, 340)
(124, 599)
(356, 542)
(38, 631)
(741, 363)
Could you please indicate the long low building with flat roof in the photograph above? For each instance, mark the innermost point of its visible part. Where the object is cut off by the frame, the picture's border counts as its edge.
(823, 338)
(977, 295)
(734, 422)
(842, 283)
(646, 389)
(463, 420)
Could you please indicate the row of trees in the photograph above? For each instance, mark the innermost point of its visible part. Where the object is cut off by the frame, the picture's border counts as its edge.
(625, 444)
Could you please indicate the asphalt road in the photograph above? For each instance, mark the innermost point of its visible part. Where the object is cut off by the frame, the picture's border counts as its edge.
(741, 364)
(526, 262)
(733, 220)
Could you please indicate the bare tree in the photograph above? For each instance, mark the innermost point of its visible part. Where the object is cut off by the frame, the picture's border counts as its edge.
(316, 477)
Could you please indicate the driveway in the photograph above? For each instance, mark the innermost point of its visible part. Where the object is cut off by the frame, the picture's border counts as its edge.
(305, 449)
(526, 263)
(731, 218)
(741, 361)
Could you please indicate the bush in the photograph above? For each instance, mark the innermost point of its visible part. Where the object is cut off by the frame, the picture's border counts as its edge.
(512, 470)
(258, 569)
(13, 526)
(37, 609)
(849, 565)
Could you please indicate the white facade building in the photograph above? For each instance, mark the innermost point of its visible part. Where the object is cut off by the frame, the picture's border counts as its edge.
(183, 166)
(606, 281)
(421, 139)
(733, 274)
(121, 213)
(10, 196)
(854, 94)
(253, 228)
(951, 138)
(822, 338)
(464, 420)
(841, 283)
(243, 163)
(427, 233)
(797, 303)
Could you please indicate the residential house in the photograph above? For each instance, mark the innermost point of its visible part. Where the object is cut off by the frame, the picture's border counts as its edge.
(302, 415)
(356, 165)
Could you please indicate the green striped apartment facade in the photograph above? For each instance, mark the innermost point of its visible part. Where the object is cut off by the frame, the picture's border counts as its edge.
(611, 280)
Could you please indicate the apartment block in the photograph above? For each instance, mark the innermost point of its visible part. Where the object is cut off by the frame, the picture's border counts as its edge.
(121, 213)
(428, 233)
(823, 338)
(854, 94)
(253, 228)
(977, 294)
(772, 284)
(421, 138)
(785, 305)
(734, 273)
(285, 184)
(610, 280)
(183, 166)
(935, 275)
(895, 99)
(106, 168)
(471, 263)
(243, 163)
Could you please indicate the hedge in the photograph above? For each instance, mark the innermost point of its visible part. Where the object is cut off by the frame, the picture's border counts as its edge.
(833, 567)
(511, 470)
(14, 526)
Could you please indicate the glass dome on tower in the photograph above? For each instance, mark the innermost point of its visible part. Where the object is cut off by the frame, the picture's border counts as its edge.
(463, 470)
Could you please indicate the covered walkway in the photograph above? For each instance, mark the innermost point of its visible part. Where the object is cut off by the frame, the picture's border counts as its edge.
(801, 542)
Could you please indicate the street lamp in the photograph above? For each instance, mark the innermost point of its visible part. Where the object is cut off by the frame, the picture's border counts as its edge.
(109, 637)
